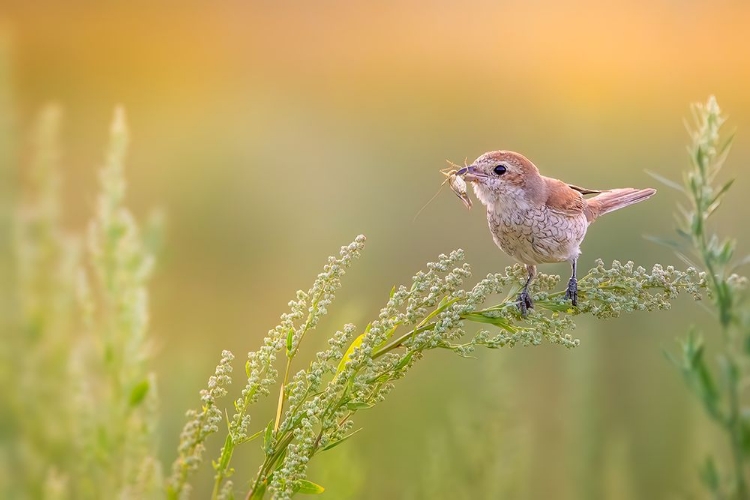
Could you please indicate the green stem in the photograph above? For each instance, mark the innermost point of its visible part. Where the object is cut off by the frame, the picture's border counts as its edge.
(421, 327)
(291, 354)
(736, 435)
(267, 467)
(224, 459)
(400, 340)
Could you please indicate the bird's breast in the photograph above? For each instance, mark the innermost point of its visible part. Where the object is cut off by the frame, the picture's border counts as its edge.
(536, 235)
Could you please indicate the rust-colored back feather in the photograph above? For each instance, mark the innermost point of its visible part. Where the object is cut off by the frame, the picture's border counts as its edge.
(562, 198)
(609, 201)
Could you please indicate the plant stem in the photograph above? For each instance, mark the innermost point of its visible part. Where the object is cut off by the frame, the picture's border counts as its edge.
(400, 340)
(268, 465)
(736, 432)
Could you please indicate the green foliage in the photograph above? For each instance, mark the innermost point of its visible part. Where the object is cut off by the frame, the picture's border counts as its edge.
(46, 262)
(83, 401)
(317, 405)
(717, 385)
(200, 425)
(83, 332)
(118, 406)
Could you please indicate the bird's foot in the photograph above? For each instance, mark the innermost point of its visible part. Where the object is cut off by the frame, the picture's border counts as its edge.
(524, 302)
(572, 291)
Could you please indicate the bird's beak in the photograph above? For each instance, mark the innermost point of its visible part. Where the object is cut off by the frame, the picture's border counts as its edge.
(470, 174)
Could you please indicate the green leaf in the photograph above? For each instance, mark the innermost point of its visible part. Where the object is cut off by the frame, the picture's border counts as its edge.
(727, 144)
(388, 335)
(666, 182)
(226, 454)
(481, 318)
(309, 488)
(404, 361)
(356, 343)
(358, 405)
(393, 292)
(684, 258)
(336, 443)
(259, 492)
(710, 475)
(663, 242)
(730, 370)
(252, 437)
(556, 306)
(268, 439)
(138, 393)
(684, 234)
(289, 339)
(721, 191)
(698, 374)
(248, 370)
(727, 251)
(745, 433)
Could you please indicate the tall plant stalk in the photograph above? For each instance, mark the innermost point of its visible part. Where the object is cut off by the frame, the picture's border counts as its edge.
(317, 405)
(718, 385)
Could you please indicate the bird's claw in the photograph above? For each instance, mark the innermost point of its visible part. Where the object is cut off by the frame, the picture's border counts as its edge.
(572, 291)
(525, 303)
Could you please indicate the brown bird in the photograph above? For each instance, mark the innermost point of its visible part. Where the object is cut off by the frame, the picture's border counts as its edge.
(537, 219)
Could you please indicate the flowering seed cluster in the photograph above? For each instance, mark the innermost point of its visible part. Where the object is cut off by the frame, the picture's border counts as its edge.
(304, 315)
(358, 368)
(115, 302)
(364, 379)
(199, 426)
(261, 372)
(716, 375)
(626, 288)
(431, 313)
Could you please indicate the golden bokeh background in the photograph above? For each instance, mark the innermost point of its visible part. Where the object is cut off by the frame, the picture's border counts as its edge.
(271, 133)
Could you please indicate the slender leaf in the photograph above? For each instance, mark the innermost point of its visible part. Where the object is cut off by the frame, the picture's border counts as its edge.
(404, 361)
(139, 392)
(710, 475)
(268, 439)
(662, 241)
(359, 405)
(666, 182)
(356, 343)
(289, 341)
(309, 488)
(336, 443)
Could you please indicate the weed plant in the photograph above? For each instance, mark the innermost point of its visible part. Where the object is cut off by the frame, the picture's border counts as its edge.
(718, 385)
(84, 403)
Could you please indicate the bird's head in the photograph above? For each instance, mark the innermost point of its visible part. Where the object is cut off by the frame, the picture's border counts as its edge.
(501, 176)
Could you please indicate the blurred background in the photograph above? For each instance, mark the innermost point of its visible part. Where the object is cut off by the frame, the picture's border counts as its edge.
(271, 133)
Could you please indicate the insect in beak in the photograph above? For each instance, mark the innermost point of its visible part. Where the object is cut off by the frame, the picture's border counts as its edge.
(457, 183)
(458, 186)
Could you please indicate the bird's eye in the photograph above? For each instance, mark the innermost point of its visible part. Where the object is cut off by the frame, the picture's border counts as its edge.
(500, 169)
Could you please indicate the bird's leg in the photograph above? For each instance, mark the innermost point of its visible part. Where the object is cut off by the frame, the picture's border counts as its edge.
(524, 299)
(572, 291)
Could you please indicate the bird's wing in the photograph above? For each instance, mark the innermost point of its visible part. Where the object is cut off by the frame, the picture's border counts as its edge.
(584, 190)
(563, 198)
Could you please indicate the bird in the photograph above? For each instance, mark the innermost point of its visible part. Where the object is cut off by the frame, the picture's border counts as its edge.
(537, 219)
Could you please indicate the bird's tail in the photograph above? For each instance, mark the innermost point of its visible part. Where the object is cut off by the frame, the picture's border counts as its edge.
(609, 201)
